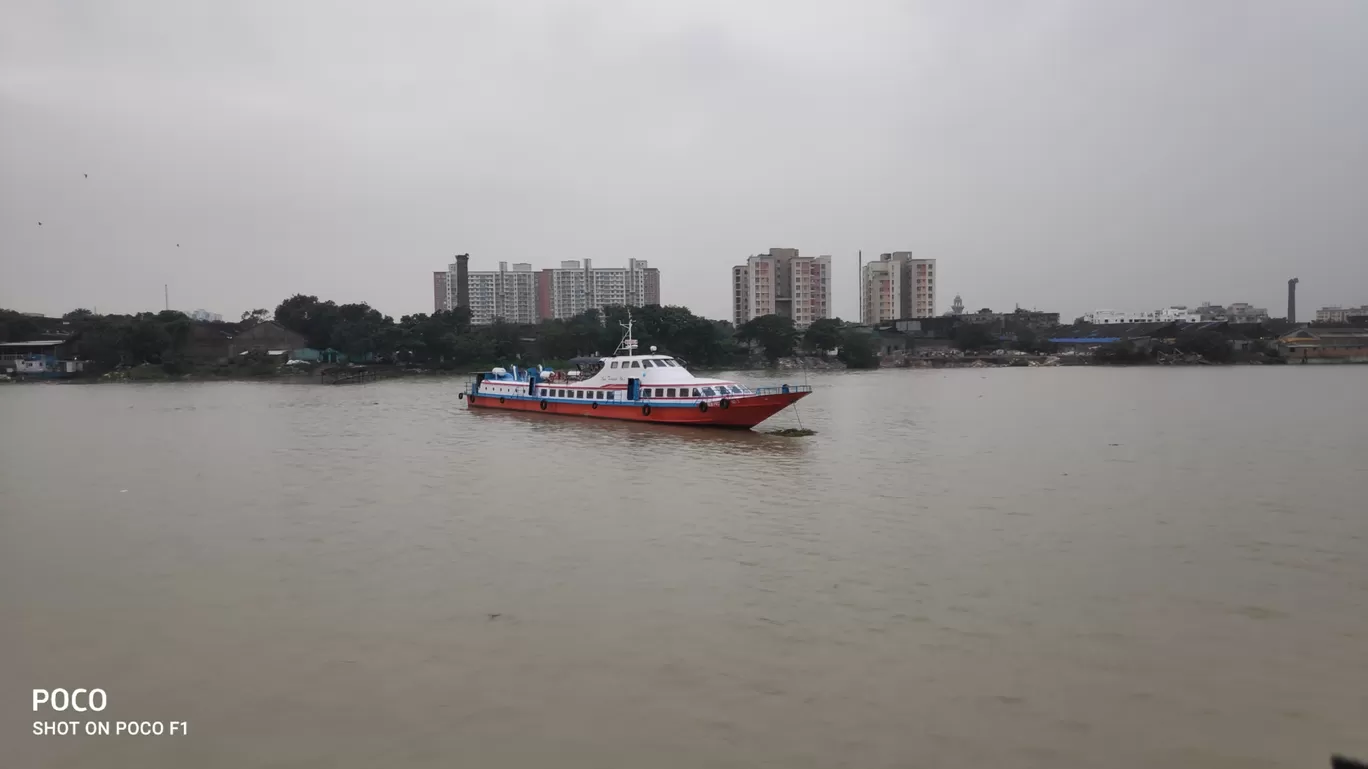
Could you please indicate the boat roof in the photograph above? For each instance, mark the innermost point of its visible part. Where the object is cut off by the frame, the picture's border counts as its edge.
(606, 358)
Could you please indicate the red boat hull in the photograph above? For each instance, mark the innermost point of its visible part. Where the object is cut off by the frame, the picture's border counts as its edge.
(742, 412)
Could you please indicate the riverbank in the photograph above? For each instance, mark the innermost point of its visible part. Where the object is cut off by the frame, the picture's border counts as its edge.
(334, 374)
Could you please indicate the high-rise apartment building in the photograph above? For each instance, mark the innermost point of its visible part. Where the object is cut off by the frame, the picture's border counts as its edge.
(782, 283)
(897, 287)
(572, 289)
(522, 295)
(441, 291)
(506, 294)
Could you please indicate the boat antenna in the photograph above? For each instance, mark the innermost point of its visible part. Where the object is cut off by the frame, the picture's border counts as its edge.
(627, 343)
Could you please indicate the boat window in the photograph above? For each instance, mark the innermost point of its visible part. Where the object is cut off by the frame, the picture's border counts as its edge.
(696, 393)
(670, 393)
(600, 395)
(670, 362)
(707, 391)
(636, 364)
(579, 393)
(560, 393)
(610, 396)
(615, 364)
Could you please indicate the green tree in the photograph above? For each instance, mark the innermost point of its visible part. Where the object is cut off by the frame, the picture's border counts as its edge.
(358, 330)
(310, 317)
(673, 330)
(505, 341)
(973, 336)
(858, 349)
(775, 334)
(145, 340)
(823, 335)
(17, 327)
(1211, 345)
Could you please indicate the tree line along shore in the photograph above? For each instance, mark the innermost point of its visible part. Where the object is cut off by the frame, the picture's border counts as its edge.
(304, 335)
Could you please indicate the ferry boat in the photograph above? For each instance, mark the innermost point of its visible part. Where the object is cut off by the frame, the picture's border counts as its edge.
(639, 388)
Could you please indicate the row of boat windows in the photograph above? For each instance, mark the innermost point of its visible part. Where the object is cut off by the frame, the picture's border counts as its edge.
(698, 392)
(588, 395)
(653, 392)
(651, 363)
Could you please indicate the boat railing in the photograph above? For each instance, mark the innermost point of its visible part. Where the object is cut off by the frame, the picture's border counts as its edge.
(782, 389)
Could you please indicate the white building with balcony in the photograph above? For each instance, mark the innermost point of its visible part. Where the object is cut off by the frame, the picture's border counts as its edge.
(1166, 315)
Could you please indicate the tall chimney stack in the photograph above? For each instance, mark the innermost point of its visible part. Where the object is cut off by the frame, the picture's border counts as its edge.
(1292, 299)
(859, 282)
(463, 280)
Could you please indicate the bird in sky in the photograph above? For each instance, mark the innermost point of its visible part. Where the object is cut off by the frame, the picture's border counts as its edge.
(40, 224)
(86, 175)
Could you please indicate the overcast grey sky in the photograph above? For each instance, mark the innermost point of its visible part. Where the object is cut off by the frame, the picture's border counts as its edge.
(1060, 154)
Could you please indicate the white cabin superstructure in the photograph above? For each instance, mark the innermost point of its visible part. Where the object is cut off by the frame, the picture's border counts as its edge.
(660, 378)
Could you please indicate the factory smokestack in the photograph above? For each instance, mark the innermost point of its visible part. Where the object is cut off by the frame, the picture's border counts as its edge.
(859, 281)
(462, 280)
(1292, 299)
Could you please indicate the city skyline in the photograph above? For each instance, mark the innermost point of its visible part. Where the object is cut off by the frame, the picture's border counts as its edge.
(525, 294)
(1069, 156)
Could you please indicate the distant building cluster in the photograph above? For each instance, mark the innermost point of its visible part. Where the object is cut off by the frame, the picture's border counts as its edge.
(1239, 312)
(1035, 319)
(1123, 317)
(782, 283)
(521, 294)
(205, 316)
(1336, 314)
(896, 287)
